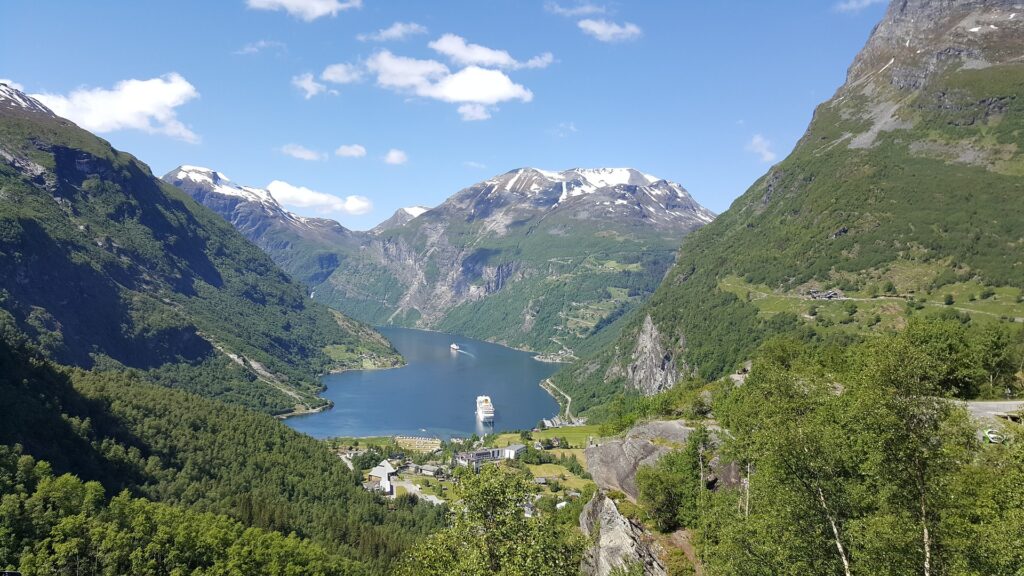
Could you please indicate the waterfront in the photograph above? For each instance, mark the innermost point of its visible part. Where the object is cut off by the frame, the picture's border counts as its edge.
(435, 393)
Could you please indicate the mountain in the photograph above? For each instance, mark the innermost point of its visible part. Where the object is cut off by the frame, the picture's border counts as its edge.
(532, 258)
(904, 194)
(104, 266)
(401, 217)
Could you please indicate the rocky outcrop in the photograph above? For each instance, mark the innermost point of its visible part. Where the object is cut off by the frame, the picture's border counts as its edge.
(618, 541)
(614, 463)
(652, 368)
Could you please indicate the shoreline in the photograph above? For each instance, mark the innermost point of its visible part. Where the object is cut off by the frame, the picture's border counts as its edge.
(330, 404)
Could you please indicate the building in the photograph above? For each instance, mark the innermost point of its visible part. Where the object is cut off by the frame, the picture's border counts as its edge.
(431, 470)
(478, 457)
(380, 477)
(513, 451)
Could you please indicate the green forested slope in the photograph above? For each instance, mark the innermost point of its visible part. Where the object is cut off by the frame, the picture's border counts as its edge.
(196, 455)
(905, 194)
(102, 264)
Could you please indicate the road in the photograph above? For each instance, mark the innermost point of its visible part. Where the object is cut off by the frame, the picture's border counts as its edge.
(414, 489)
(987, 409)
(568, 404)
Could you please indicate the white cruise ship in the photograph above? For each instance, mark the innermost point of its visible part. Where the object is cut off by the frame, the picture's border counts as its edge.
(484, 409)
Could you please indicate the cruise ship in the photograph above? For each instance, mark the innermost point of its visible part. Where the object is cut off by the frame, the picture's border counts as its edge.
(484, 409)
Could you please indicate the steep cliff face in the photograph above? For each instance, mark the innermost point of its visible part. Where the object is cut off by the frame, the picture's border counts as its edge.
(653, 368)
(613, 463)
(618, 542)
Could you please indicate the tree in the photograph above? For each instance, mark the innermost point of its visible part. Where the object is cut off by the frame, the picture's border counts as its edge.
(489, 534)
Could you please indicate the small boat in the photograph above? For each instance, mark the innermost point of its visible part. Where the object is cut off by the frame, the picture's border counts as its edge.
(455, 347)
(484, 409)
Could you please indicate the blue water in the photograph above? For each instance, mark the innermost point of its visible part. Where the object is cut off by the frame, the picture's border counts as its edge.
(435, 393)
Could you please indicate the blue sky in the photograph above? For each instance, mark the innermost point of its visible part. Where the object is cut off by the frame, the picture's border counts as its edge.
(708, 94)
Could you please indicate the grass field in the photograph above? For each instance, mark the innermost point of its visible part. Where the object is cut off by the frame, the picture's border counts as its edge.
(577, 436)
(556, 472)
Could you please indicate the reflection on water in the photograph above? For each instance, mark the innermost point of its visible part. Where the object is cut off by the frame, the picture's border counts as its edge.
(435, 394)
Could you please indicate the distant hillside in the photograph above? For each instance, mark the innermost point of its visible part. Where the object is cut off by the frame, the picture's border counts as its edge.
(102, 265)
(905, 194)
(550, 261)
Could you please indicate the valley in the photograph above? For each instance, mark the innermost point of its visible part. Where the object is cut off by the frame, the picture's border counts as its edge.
(402, 357)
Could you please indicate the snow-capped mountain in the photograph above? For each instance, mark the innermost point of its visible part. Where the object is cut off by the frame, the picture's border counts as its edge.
(621, 194)
(531, 257)
(401, 217)
(15, 100)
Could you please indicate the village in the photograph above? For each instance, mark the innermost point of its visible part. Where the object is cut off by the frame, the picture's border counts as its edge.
(429, 468)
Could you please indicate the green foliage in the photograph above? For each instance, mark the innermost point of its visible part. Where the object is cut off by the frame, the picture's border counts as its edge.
(853, 458)
(61, 525)
(197, 454)
(669, 490)
(489, 534)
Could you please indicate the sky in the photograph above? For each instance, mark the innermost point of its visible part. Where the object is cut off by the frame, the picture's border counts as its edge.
(351, 109)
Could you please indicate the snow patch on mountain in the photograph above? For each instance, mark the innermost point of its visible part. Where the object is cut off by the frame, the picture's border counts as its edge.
(12, 98)
(221, 184)
(415, 211)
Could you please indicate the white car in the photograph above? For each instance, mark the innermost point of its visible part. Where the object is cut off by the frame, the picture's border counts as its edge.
(993, 436)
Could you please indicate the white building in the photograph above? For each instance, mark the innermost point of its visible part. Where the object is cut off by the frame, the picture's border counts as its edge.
(512, 451)
(381, 476)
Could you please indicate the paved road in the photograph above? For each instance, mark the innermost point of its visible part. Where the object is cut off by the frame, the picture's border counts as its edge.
(414, 489)
(986, 409)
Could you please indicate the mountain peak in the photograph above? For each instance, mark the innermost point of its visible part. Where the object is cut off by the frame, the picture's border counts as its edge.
(13, 99)
(218, 183)
(414, 211)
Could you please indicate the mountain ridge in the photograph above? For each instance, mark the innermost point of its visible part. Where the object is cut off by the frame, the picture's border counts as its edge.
(105, 266)
(484, 252)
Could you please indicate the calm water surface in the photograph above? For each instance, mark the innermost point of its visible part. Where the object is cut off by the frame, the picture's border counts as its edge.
(435, 394)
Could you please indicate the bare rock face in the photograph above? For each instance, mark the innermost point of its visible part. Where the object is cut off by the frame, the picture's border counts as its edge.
(618, 542)
(614, 463)
(652, 368)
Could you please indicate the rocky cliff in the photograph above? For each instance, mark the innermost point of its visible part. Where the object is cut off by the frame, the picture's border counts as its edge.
(653, 367)
(618, 541)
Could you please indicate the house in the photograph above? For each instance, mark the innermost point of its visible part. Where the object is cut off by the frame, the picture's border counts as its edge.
(431, 470)
(537, 445)
(380, 477)
(512, 451)
(540, 481)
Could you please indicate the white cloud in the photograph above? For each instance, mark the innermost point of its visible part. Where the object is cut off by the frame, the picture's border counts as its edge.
(308, 85)
(261, 45)
(583, 9)
(606, 31)
(397, 31)
(475, 165)
(856, 5)
(464, 54)
(307, 10)
(341, 74)
(147, 105)
(478, 86)
(303, 197)
(396, 157)
(350, 151)
(762, 147)
(399, 72)
(12, 84)
(470, 112)
(302, 153)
